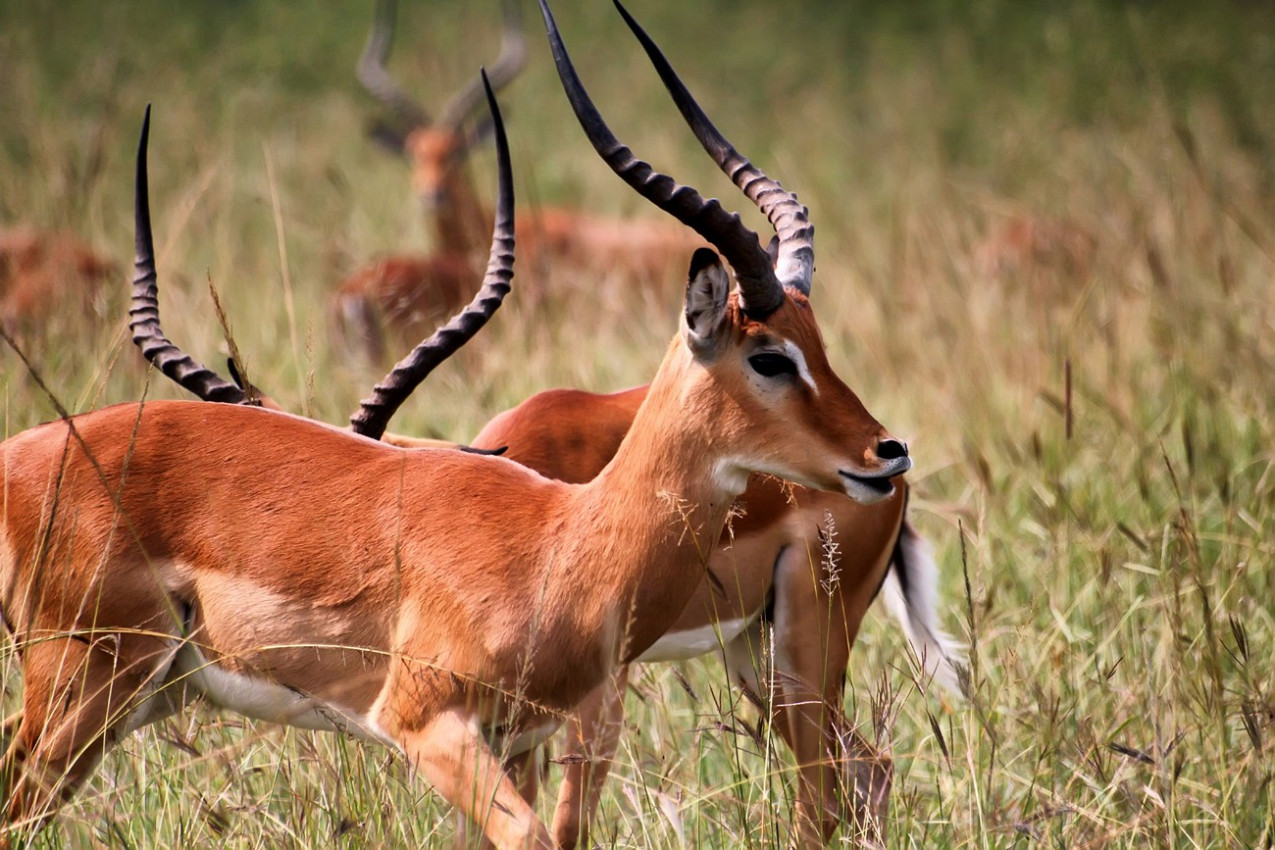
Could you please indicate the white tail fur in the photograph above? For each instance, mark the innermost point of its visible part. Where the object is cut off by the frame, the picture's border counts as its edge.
(911, 596)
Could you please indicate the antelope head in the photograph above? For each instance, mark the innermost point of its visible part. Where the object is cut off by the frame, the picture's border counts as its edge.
(435, 149)
(755, 344)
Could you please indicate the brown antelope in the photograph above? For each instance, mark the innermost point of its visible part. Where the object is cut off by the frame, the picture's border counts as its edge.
(40, 269)
(455, 605)
(403, 291)
(770, 570)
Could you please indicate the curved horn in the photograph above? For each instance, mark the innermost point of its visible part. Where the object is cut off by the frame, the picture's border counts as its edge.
(513, 56)
(376, 79)
(794, 265)
(375, 412)
(144, 310)
(753, 269)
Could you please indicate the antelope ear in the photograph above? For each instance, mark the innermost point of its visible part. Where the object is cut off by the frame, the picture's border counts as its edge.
(707, 289)
(479, 132)
(387, 136)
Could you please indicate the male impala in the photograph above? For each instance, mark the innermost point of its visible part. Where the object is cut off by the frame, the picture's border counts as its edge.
(402, 291)
(768, 571)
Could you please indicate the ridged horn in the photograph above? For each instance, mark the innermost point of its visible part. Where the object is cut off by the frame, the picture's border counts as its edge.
(376, 79)
(795, 262)
(374, 413)
(144, 309)
(759, 287)
(513, 56)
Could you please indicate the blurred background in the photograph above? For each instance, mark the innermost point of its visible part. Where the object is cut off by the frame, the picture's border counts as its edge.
(1045, 247)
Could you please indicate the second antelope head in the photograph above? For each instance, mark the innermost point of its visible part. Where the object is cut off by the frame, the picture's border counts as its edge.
(436, 148)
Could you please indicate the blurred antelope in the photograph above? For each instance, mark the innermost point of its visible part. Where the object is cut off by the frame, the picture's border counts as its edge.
(771, 571)
(44, 270)
(454, 606)
(403, 291)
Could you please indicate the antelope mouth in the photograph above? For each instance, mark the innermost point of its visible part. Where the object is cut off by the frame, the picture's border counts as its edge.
(876, 486)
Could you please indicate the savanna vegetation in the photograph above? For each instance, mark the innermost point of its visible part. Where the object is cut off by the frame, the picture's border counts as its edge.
(1046, 247)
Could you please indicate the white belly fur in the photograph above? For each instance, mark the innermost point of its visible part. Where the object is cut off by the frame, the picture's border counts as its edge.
(526, 740)
(266, 700)
(677, 646)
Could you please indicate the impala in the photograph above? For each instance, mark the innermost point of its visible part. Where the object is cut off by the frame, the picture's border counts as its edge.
(39, 269)
(769, 571)
(402, 291)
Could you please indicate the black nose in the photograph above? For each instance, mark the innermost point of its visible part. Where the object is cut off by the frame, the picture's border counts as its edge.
(891, 449)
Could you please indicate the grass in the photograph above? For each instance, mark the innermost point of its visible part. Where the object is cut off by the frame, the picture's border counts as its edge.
(1091, 411)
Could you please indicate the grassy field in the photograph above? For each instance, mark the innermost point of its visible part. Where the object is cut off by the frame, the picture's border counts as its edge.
(1046, 245)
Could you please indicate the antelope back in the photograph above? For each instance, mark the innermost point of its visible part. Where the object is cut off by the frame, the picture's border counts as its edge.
(565, 434)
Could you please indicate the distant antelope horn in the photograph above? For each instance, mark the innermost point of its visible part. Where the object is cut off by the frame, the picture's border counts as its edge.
(376, 79)
(759, 287)
(375, 412)
(513, 56)
(794, 263)
(144, 310)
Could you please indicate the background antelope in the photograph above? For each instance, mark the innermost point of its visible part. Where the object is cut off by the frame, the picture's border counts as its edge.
(43, 270)
(406, 291)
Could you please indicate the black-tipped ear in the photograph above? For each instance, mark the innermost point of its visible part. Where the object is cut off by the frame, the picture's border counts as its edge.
(388, 136)
(497, 452)
(707, 290)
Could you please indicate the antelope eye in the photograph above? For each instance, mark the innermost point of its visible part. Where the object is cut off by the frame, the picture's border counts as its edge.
(770, 364)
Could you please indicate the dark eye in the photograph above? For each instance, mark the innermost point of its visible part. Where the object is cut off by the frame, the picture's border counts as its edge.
(769, 364)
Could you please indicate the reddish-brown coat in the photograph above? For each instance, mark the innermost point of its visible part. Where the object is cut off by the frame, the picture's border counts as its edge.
(46, 271)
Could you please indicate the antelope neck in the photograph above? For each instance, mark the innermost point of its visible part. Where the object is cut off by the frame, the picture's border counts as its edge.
(656, 511)
(464, 223)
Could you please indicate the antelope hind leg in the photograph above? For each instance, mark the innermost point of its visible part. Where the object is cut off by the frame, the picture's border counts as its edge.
(78, 698)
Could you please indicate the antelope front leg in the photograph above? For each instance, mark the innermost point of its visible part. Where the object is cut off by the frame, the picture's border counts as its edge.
(813, 633)
(815, 627)
(868, 774)
(451, 754)
(593, 734)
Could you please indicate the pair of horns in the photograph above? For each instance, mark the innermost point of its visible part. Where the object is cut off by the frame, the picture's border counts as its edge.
(374, 76)
(375, 412)
(761, 277)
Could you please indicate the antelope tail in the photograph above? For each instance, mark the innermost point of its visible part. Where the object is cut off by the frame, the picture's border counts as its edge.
(911, 596)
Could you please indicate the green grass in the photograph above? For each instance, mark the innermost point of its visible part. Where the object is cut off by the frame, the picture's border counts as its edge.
(1121, 578)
